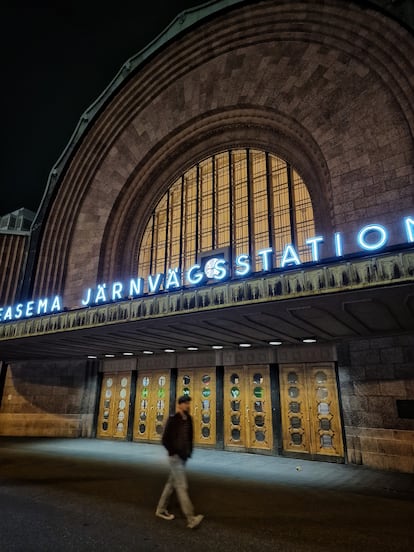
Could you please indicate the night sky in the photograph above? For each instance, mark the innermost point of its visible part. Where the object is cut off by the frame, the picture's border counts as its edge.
(56, 60)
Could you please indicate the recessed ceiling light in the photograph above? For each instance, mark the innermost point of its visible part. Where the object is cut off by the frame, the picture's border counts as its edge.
(169, 350)
(192, 348)
(275, 343)
(309, 340)
(245, 345)
(92, 356)
(109, 356)
(127, 354)
(148, 352)
(217, 346)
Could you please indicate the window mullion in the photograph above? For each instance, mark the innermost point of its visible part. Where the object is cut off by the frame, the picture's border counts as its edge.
(270, 207)
(250, 212)
(167, 223)
(292, 207)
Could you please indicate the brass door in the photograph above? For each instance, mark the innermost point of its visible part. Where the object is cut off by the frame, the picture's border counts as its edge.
(200, 384)
(152, 404)
(247, 408)
(311, 420)
(114, 406)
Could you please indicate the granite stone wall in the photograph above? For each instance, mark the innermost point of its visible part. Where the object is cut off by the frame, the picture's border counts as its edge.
(49, 399)
(374, 375)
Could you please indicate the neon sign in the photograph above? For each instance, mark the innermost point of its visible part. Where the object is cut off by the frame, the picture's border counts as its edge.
(372, 237)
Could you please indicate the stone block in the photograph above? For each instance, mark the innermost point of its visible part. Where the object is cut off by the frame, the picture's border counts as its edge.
(360, 345)
(403, 464)
(374, 460)
(369, 444)
(392, 355)
(385, 406)
(395, 447)
(39, 425)
(404, 371)
(367, 388)
(379, 372)
(393, 388)
(365, 357)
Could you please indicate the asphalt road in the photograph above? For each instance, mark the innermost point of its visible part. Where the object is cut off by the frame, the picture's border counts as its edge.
(86, 495)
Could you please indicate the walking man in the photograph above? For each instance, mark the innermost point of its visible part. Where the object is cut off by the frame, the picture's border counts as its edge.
(178, 440)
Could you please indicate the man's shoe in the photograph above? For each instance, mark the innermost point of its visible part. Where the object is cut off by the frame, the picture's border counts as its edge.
(164, 514)
(195, 521)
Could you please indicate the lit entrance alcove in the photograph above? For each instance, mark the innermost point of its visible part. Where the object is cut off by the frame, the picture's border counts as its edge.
(152, 404)
(311, 421)
(247, 408)
(200, 385)
(114, 405)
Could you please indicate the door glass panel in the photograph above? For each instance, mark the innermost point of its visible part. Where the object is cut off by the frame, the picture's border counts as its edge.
(292, 377)
(320, 377)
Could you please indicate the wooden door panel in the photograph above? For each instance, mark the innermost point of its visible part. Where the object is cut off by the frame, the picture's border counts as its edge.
(324, 411)
(151, 405)
(235, 407)
(295, 419)
(114, 405)
(260, 408)
(247, 408)
(310, 409)
(200, 384)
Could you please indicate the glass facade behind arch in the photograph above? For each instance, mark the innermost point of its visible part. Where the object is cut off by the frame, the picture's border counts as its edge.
(238, 201)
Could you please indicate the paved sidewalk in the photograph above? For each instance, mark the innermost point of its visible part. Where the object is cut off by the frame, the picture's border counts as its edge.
(87, 495)
(230, 466)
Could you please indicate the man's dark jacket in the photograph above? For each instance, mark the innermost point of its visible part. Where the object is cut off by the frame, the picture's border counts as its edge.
(178, 436)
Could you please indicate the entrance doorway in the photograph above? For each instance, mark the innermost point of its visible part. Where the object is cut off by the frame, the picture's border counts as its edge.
(152, 403)
(311, 421)
(200, 384)
(114, 405)
(247, 408)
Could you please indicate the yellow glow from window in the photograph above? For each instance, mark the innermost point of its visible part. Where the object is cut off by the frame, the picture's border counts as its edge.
(241, 200)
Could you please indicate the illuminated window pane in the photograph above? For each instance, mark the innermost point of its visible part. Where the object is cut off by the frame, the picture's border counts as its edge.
(218, 202)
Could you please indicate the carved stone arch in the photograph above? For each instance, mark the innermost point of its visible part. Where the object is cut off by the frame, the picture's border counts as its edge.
(304, 74)
(217, 131)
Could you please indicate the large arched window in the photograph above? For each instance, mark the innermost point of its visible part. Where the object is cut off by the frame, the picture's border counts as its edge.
(237, 202)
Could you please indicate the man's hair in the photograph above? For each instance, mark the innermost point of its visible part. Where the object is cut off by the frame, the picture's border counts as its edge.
(184, 399)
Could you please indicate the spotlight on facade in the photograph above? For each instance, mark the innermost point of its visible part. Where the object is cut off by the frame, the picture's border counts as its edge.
(169, 350)
(109, 356)
(128, 354)
(309, 340)
(217, 346)
(192, 348)
(275, 342)
(92, 356)
(148, 352)
(245, 345)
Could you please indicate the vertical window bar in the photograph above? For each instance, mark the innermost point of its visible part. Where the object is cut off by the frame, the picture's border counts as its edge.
(167, 223)
(152, 243)
(270, 206)
(181, 260)
(292, 207)
(213, 206)
(231, 195)
(249, 202)
(197, 243)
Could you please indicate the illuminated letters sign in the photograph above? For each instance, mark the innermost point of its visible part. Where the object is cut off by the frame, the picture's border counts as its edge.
(371, 238)
(30, 308)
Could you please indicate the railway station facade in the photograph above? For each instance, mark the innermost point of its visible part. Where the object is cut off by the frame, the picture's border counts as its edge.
(233, 219)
